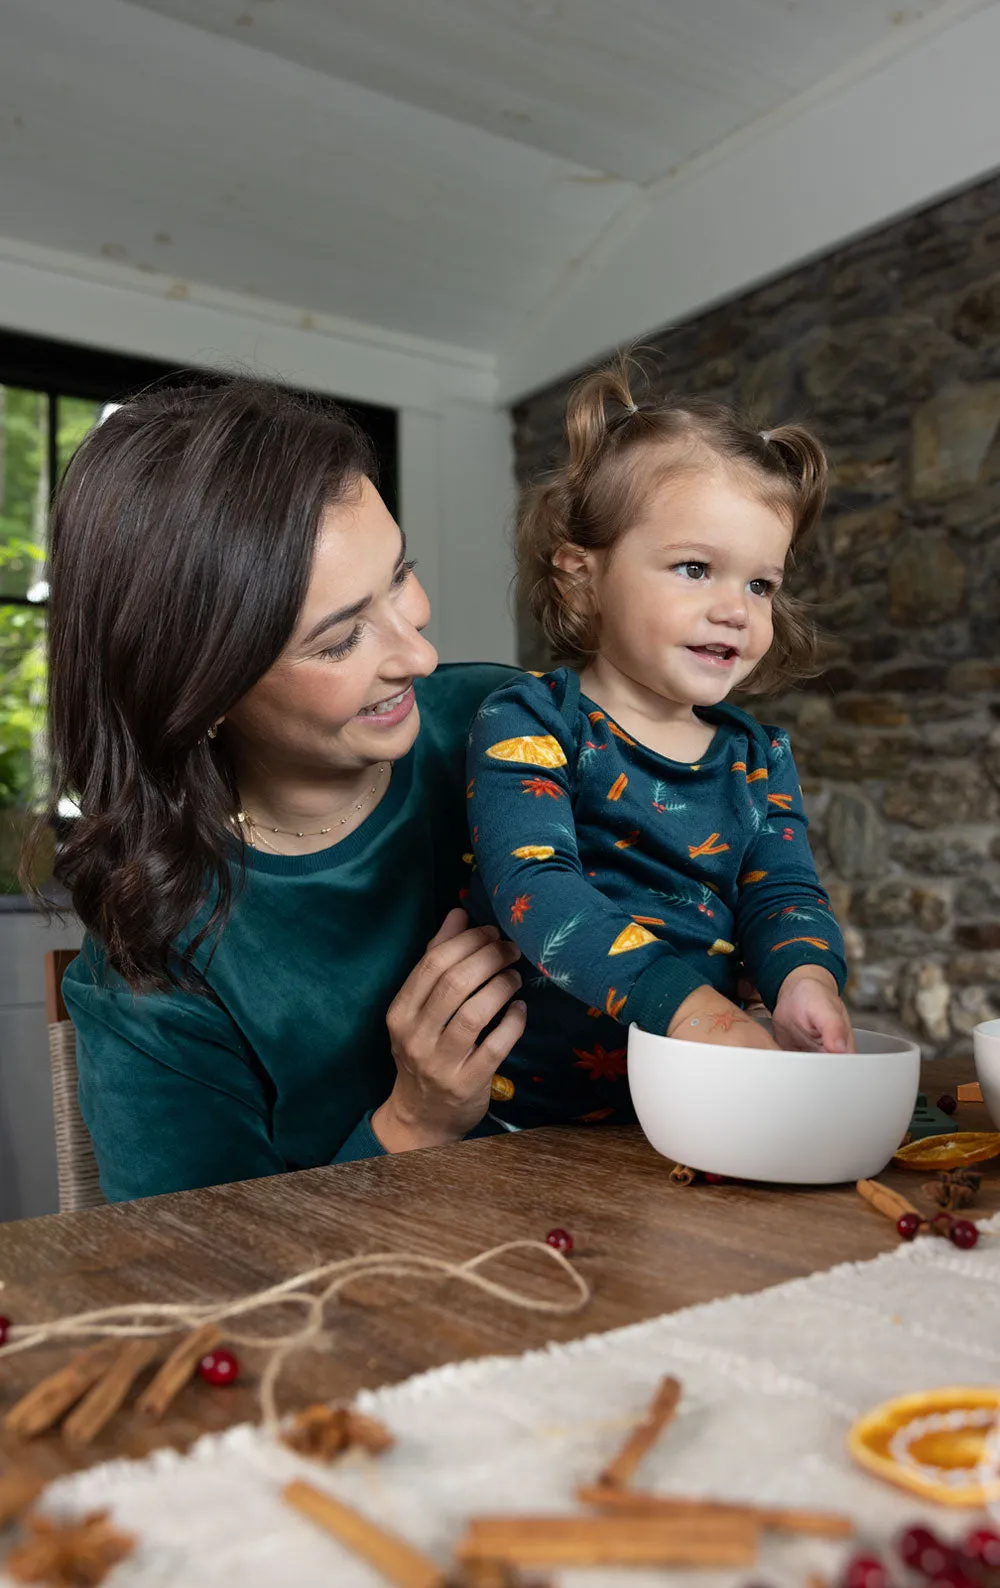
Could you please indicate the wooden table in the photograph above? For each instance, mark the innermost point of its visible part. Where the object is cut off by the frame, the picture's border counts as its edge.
(646, 1246)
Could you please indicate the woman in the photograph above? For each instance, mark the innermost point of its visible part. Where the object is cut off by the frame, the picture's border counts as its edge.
(269, 772)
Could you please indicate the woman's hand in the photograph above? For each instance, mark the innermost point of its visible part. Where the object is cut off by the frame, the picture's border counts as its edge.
(443, 1070)
(809, 1014)
(706, 1016)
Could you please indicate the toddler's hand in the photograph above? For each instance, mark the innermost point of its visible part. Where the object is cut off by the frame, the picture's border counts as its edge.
(706, 1016)
(809, 1014)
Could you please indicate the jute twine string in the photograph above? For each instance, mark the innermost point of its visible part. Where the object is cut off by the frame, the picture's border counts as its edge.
(143, 1319)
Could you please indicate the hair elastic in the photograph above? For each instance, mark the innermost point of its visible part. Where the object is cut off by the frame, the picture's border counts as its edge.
(765, 436)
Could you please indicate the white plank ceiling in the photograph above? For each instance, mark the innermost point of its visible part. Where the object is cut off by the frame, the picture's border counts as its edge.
(432, 167)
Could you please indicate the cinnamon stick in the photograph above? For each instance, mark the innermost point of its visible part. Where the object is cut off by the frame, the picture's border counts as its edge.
(644, 1435)
(99, 1405)
(46, 1403)
(883, 1200)
(970, 1092)
(180, 1366)
(628, 1540)
(398, 1562)
(778, 1519)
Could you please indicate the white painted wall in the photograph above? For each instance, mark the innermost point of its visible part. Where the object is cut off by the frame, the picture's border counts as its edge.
(456, 471)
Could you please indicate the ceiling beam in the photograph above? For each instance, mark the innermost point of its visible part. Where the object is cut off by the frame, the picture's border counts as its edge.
(840, 161)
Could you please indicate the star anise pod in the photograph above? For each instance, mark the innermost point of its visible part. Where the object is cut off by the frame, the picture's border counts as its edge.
(325, 1432)
(954, 1188)
(68, 1554)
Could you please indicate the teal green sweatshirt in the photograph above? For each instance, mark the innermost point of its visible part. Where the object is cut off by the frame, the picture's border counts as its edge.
(280, 1066)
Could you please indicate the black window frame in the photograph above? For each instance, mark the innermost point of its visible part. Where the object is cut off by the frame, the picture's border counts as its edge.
(70, 369)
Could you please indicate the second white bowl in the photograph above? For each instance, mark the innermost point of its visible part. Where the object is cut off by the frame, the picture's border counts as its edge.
(986, 1043)
(756, 1114)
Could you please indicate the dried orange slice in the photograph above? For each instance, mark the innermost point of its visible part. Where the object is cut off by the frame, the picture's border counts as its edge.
(949, 1152)
(532, 749)
(942, 1444)
(631, 937)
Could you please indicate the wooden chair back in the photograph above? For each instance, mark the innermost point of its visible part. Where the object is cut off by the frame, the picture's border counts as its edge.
(79, 1186)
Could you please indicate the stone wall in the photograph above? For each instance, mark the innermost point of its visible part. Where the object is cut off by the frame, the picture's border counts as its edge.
(890, 349)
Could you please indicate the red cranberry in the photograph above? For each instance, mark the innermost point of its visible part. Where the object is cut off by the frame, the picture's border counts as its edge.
(963, 1234)
(865, 1571)
(4, 1326)
(921, 1550)
(715, 1179)
(908, 1225)
(561, 1240)
(219, 1367)
(984, 1547)
(946, 1103)
(952, 1576)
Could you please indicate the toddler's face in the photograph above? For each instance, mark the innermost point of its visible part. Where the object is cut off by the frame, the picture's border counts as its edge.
(685, 598)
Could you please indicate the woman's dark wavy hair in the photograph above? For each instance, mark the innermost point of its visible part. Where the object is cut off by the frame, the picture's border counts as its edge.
(182, 542)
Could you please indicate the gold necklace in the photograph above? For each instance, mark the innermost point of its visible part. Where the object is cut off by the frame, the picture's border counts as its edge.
(253, 831)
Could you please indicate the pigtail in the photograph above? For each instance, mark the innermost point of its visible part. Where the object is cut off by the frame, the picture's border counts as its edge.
(805, 464)
(600, 407)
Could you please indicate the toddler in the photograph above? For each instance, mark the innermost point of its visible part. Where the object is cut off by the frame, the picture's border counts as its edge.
(641, 839)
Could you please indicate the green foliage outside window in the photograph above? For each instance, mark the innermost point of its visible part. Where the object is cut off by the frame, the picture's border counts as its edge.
(25, 490)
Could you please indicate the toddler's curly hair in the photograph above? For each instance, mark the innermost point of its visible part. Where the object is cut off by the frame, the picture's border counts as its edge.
(620, 451)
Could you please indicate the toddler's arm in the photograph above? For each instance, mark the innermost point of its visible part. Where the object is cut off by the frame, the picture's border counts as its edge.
(791, 944)
(525, 844)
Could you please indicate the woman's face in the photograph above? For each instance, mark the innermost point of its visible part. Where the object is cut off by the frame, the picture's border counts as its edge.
(340, 696)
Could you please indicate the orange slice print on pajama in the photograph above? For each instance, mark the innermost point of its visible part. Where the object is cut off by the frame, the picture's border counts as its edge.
(755, 777)
(601, 1065)
(782, 801)
(539, 749)
(618, 787)
(629, 839)
(750, 877)
(816, 942)
(631, 937)
(619, 734)
(720, 946)
(533, 852)
(712, 845)
(594, 717)
(649, 920)
(541, 786)
(738, 766)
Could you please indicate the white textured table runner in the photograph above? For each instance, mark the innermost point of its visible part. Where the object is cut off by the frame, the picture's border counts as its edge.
(771, 1383)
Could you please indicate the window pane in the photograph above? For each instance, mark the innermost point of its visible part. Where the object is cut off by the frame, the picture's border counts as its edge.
(24, 489)
(22, 718)
(74, 417)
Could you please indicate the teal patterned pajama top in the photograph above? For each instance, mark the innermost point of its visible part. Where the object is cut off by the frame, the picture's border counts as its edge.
(627, 880)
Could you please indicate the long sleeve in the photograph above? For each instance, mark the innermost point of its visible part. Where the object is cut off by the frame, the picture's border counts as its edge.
(521, 752)
(783, 914)
(171, 1096)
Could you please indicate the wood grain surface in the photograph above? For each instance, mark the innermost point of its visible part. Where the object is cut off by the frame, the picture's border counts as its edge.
(646, 1246)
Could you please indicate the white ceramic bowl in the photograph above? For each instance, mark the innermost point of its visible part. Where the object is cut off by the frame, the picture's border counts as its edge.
(986, 1042)
(755, 1114)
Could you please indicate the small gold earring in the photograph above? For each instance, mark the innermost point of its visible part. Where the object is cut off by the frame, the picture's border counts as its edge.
(214, 729)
